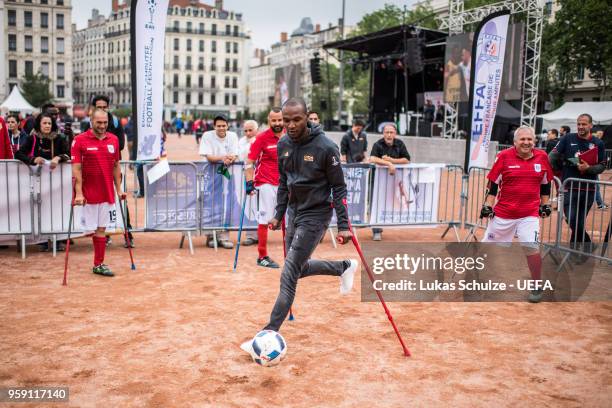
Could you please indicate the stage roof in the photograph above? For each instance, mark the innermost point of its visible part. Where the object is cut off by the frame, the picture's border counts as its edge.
(386, 41)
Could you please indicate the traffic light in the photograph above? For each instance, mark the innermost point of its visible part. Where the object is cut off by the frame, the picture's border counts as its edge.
(315, 69)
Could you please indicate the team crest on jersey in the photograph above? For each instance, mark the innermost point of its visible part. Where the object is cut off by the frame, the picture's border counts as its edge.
(334, 161)
(111, 148)
(286, 154)
(537, 167)
(308, 158)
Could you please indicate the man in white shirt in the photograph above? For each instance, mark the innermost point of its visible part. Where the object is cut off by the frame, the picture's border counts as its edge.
(244, 144)
(220, 146)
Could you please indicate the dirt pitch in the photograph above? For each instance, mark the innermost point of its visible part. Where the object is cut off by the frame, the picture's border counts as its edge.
(167, 335)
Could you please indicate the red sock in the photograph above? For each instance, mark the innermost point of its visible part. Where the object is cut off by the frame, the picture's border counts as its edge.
(99, 244)
(535, 266)
(262, 236)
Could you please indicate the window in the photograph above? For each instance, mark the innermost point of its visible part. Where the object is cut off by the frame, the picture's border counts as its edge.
(188, 64)
(60, 45)
(175, 80)
(189, 44)
(201, 45)
(235, 48)
(236, 31)
(44, 69)
(234, 82)
(60, 70)
(201, 28)
(44, 20)
(227, 99)
(213, 82)
(200, 98)
(175, 98)
(12, 42)
(228, 47)
(577, 100)
(176, 44)
(44, 1)
(580, 73)
(201, 81)
(44, 45)
(28, 43)
(189, 27)
(228, 30)
(12, 68)
(12, 18)
(27, 17)
(175, 64)
(213, 46)
(213, 99)
(188, 98)
(227, 82)
(29, 68)
(234, 99)
(213, 30)
(188, 81)
(227, 65)
(60, 2)
(235, 65)
(213, 64)
(59, 21)
(176, 28)
(59, 91)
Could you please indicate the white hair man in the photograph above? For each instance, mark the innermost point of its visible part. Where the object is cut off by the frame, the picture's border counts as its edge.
(250, 128)
(518, 193)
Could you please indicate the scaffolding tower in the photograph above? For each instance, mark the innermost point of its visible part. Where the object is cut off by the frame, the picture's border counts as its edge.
(456, 20)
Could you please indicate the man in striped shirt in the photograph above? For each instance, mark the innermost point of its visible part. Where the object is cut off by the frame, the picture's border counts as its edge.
(96, 169)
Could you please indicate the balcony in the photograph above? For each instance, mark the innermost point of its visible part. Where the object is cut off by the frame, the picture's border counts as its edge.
(116, 33)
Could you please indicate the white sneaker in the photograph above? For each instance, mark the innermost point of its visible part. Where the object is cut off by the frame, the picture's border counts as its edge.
(248, 347)
(346, 279)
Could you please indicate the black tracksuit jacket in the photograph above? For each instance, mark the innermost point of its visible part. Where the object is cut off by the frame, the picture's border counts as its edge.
(309, 171)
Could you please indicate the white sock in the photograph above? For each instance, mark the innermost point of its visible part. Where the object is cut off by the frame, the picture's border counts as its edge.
(346, 279)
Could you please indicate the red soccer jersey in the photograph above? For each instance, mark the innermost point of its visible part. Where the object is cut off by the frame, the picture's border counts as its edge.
(263, 151)
(519, 183)
(97, 158)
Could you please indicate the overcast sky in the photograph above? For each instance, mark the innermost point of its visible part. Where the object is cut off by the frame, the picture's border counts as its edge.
(267, 18)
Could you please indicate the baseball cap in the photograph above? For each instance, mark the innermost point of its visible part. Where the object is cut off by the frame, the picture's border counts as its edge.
(220, 117)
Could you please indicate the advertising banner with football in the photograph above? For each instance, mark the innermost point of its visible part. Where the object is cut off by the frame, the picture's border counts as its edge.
(486, 77)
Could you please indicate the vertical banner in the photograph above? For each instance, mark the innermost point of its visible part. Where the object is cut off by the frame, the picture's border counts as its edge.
(487, 68)
(148, 30)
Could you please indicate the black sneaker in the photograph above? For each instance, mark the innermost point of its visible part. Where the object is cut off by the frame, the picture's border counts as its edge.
(267, 262)
(129, 243)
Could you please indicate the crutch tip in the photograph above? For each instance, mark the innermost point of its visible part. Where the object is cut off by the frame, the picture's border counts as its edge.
(291, 318)
(133, 267)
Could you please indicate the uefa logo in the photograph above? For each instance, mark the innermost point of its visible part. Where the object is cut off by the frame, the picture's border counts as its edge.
(490, 49)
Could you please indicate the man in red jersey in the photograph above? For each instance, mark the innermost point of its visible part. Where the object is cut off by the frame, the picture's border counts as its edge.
(265, 180)
(520, 179)
(96, 169)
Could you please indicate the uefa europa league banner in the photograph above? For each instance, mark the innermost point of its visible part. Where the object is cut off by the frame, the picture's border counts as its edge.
(148, 29)
(487, 68)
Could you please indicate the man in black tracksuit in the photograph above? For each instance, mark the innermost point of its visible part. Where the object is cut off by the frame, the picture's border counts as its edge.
(310, 172)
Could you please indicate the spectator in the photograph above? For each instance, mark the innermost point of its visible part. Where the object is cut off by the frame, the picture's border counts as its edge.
(429, 111)
(578, 200)
(551, 140)
(220, 146)
(388, 152)
(354, 144)
(16, 135)
(6, 152)
(564, 130)
(313, 117)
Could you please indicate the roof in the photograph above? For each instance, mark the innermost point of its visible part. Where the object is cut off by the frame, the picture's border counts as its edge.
(16, 102)
(386, 41)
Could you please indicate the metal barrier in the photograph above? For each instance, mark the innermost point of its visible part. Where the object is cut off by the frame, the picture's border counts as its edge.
(476, 193)
(583, 230)
(608, 159)
(17, 202)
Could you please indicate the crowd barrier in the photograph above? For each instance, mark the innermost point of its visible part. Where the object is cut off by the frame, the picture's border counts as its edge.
(194, 197)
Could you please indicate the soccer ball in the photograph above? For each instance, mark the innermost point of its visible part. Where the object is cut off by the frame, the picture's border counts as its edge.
(269, 348)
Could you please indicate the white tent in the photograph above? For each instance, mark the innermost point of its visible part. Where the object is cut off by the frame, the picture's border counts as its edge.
(16, 103)
(569, 111)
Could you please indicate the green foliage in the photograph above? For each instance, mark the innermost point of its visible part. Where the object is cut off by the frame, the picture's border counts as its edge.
(389, 16)
(122, 112)
(36, 89)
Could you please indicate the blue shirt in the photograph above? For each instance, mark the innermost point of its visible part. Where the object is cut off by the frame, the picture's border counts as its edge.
(570, 145)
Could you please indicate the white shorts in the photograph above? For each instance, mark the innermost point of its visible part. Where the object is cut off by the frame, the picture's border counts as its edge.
(97, 215)
(526, 229)
(266, 202)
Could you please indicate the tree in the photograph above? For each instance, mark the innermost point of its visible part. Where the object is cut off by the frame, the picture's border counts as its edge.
(579, 38)
(36, 89)
(389, 16)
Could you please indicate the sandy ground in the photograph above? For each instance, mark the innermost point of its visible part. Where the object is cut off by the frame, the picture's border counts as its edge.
(168, 335)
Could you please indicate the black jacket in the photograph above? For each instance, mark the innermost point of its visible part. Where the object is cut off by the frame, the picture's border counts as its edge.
(311, 179)
(45, 147)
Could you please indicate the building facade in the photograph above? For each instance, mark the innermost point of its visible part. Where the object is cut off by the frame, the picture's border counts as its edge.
(206, 51)
(89, 59)
(37, 36)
